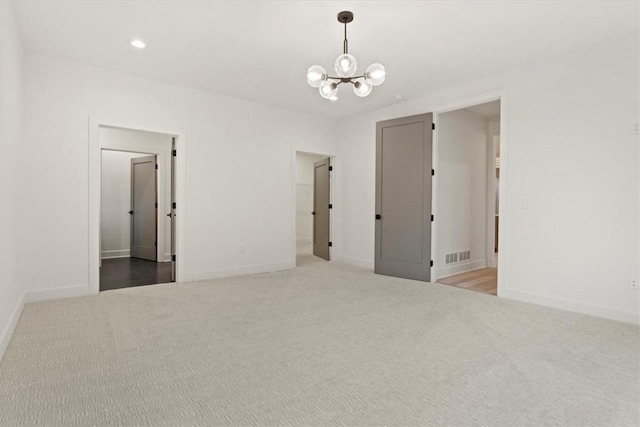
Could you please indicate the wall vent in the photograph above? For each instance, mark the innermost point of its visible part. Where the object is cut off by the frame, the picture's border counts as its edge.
(457, 257)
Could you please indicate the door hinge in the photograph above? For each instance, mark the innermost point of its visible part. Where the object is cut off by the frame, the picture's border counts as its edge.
(173, 257)
(330, 168)
(431, 218)
(330, 206)
(330, 243)
(156, 205)
(155, 244)
(433, 126)
(433, 172)
(156, 166)
(173, 205)
(431, 263)
(174, 153)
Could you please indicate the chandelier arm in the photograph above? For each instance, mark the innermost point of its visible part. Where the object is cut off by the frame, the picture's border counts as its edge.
(346, 78)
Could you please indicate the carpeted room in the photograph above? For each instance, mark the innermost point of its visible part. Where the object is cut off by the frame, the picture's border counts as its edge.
(252, 333)
(317, 344)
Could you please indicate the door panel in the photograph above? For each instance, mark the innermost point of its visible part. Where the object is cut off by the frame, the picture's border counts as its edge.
(403, 197)
(173, 210)
(321, 200)
(143, 208)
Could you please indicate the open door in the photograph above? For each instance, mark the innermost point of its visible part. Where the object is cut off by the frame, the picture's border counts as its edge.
(321, 207)
(172, 214)
(403, 197)
(144, 217)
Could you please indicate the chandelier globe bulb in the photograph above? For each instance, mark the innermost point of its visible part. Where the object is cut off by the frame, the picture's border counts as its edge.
(346, 65)
(375, 74)
(328, 89)
(362, 88)
(315, 75)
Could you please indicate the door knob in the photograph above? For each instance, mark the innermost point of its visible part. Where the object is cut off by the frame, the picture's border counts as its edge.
(169, 214)
(313, 213)
(130, 212)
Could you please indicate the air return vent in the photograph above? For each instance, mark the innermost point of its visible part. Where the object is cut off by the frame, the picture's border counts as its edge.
(455, 257)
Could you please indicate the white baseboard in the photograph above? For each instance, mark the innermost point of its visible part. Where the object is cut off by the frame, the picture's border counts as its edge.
(239, 271)
(564, 304)
(119, 253)
(11, 327)
(304, 242)
(461, 267)
(167, 257)
(358, 262)
(35, 296)
(56, 293)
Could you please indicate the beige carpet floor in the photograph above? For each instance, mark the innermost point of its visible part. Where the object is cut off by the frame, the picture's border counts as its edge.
(321, 344)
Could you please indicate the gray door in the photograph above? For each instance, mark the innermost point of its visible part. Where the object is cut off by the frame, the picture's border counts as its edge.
(403, 197)
(321, 200)
(143, 208)
(173, 210)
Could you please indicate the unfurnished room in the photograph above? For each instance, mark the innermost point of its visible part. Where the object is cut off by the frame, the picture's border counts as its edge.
(319, 213)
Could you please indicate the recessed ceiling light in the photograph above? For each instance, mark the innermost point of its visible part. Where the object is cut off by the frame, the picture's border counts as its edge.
(138, 43)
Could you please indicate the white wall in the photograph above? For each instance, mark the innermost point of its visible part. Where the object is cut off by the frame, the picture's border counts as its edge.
(461, 192)
(572, 159)
(304, 196)
(11, 188)
(115, 221)
(147, 143)
(239, 160)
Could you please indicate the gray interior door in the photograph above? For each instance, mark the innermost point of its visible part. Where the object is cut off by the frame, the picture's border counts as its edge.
(173, 210)
(321, 200)
(403, 197)
(144, 217)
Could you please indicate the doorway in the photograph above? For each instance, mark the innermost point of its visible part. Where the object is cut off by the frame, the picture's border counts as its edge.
(313, 206)
(137, 210)
(467, 197)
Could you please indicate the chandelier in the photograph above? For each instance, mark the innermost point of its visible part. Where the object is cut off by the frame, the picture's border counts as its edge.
(345, 67)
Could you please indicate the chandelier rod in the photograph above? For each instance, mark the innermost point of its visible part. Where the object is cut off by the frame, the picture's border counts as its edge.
(346, 42)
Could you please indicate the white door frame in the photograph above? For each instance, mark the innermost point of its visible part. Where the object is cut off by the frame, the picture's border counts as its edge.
(503, 96)
(95, 150)
(333, 253)
(491, 199)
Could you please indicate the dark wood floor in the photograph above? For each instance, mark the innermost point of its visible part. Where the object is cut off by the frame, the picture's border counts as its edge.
(128, 272)
(484, 280)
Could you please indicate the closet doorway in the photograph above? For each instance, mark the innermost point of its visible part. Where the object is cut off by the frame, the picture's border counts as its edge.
(313, 206)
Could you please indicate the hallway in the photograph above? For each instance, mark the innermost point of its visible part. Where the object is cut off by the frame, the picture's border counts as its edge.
(129, 272)
(484, 280)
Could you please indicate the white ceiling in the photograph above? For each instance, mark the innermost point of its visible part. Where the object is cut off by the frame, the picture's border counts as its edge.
(260, 50)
